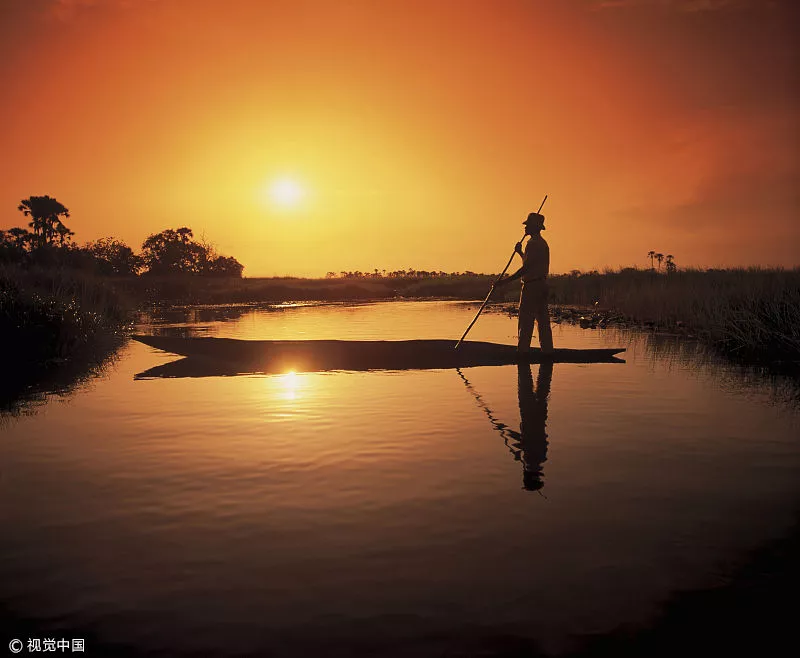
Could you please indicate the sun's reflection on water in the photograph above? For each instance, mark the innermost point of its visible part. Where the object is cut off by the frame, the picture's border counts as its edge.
(289, 385)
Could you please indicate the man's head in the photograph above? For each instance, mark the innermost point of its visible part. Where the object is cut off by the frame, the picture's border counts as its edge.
(534, 223)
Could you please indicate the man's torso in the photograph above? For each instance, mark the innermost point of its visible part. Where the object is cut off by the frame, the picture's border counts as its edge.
(537, 260)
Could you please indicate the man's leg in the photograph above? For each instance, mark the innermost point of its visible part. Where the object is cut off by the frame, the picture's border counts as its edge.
(543, 322)
(527, 316)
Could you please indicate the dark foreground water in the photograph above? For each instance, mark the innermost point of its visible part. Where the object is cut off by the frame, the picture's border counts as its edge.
(492, 511)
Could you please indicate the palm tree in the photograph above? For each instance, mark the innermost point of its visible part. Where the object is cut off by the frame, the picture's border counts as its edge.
(46, 213)
(660, 259)
(671, 263)
(651, 254)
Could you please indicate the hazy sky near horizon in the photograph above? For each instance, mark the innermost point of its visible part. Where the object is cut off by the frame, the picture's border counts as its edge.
(421, 132)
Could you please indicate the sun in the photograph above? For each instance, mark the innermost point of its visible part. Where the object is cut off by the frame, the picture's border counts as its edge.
(285, 192)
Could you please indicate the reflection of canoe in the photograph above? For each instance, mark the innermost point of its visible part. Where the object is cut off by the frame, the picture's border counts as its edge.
(314, 355)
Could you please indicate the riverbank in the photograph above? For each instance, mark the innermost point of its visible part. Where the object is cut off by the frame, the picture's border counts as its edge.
(55, 323)
(209, 290)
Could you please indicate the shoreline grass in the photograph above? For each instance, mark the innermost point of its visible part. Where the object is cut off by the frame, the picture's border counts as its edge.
(752, 314)
(48, 316)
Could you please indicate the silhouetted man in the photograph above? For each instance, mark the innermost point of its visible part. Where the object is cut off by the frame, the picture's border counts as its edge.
(533, 299)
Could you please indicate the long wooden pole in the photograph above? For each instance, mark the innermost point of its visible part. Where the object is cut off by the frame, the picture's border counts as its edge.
(491, 289)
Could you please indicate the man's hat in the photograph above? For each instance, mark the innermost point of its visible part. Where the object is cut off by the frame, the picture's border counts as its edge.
(536, 218)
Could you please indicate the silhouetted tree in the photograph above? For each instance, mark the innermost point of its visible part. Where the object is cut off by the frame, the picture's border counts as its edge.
(651, 255)
(660, 259)
(46, 214)
(114, 257)
(170, 252)
(15, 245)
(23, 238)
(8, 247)
(671, 267)
(175, 251)
(225, 266)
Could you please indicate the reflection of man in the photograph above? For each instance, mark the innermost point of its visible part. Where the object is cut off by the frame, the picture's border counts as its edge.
(533, 299)
(533, 420)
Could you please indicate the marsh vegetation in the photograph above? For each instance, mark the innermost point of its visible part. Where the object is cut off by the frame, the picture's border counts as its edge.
(752, 313)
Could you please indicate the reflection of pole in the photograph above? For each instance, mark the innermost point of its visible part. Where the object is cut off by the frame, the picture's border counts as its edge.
(505, 431)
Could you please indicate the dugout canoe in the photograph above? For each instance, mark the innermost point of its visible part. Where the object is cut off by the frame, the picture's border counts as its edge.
(317, 355)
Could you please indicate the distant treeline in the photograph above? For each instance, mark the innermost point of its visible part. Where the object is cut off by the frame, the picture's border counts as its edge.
(48, 243)
(410, 273)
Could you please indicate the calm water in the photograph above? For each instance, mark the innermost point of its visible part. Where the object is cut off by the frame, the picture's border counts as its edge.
(392, 512)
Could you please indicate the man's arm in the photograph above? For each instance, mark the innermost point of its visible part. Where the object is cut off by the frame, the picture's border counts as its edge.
(508, 278)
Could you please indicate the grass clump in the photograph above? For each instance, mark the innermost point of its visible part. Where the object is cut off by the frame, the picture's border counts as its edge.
(47, 316)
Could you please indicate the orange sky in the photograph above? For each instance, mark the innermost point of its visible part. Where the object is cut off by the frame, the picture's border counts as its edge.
(423, 131)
